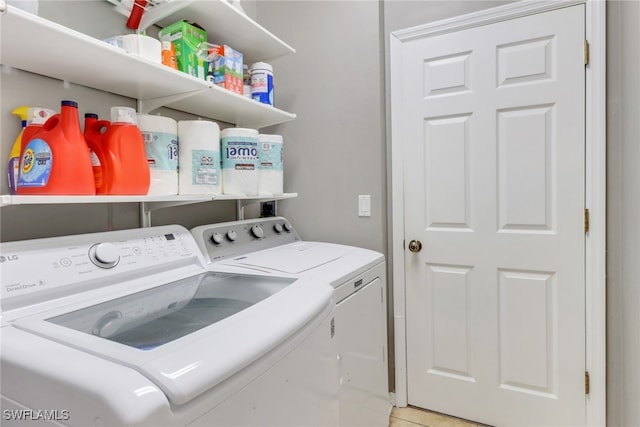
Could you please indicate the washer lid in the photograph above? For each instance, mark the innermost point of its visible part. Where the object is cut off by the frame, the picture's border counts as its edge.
(294, 258)
(189, 335)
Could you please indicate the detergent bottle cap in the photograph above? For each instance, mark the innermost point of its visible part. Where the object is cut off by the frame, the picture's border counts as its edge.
(123, 115)
(90, 116)
(73, 104)
(38, 116)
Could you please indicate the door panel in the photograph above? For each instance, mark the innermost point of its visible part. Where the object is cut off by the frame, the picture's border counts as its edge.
(493, 142)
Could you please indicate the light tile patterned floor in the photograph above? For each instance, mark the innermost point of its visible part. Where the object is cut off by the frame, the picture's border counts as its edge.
(414, 417)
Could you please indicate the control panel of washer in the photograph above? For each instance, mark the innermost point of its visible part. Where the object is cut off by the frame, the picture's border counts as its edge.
(231, 239)
(47, 264)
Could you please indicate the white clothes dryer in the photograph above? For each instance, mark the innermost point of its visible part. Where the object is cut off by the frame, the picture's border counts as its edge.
(128, 328)
(271, 246)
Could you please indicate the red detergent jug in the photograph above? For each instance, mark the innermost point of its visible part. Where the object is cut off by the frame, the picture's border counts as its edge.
(56, 159)
(123, 159)
(94, 130)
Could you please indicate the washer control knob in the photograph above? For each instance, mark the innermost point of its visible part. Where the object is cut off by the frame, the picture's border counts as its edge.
(104, 255)
(257, 231)
(277, 228)
(216, 238)
(287, 227)
(232, 235)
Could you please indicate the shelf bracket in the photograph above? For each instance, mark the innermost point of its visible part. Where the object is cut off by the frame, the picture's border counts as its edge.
(145, 106)
(239, 210)
(145, 215)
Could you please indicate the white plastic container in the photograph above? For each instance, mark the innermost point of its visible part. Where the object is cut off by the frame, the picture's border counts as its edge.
(239, 151)
(160, 135)
(199, 157)
(271, 164)
(138, 44)
(262, 82)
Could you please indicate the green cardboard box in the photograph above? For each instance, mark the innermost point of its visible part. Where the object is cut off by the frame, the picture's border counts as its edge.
(188, 39)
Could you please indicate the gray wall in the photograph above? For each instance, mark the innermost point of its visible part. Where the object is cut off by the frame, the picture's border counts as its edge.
(337, 148)
(96, 18)
(623, 187)
(623, 205)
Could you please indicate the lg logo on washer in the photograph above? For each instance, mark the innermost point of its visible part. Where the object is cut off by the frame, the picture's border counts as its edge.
(8, 258)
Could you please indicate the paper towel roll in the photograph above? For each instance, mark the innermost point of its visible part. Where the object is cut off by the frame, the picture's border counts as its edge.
(160, 136)
(199, 157)
(240, 161)
(271, 164)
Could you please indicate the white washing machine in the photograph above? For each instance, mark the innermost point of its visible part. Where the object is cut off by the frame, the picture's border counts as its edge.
(271, 246)
(128, 328)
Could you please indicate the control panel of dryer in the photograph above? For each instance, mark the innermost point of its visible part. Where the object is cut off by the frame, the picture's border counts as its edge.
(231, 239)
(53, 264)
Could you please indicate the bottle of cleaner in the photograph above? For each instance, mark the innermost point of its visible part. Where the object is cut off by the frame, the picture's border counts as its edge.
(32, 120)
(94, 131)
(14, 156)
(56, 159)
(123, 159)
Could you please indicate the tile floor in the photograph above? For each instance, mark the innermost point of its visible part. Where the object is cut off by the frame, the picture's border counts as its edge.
(414, 417)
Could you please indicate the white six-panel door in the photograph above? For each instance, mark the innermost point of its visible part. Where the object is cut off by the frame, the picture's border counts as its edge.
(494, 177)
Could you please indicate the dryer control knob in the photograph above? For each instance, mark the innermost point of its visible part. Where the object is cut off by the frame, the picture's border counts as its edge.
(277, 228)
(232, 235)
(287, 227)
(257, 231)
(216, 238)
(104, 255)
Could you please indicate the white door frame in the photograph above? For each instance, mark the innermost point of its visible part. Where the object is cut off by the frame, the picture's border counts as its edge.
(595, 184)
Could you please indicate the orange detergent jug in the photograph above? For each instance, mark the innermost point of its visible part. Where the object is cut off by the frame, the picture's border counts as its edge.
(123, 159)
(94, 130)
(56, 159)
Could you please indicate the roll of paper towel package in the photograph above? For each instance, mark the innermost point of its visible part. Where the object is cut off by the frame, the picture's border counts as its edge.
(160, 136)
(239, 151)
(199, 156)
(271, 165)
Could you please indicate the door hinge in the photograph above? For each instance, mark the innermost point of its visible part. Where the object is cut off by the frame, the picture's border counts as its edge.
(587, 386)
(586, 220)
(586, 53)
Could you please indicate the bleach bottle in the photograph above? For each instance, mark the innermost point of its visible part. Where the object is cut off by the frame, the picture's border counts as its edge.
(94, 131)
(123, 158)
(56, 159)
(13, 170)
(32, 120)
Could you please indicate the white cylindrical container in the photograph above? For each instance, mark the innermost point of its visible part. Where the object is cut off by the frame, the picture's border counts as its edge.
(240, 175)
(199, 157)
(271, 164)
(262, 82)
(160, 135)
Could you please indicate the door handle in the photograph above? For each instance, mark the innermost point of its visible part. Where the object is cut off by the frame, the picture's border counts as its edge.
(415, 246)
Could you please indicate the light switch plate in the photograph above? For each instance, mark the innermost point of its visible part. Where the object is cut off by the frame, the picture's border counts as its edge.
(364, 205)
